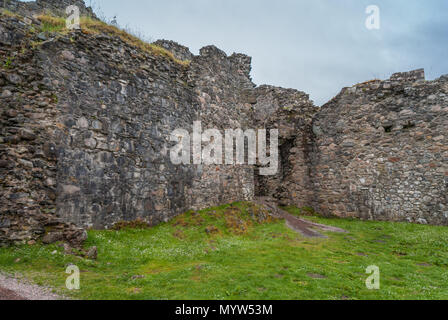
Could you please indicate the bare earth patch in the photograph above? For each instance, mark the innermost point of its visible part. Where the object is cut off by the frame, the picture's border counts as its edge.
(13, 289)
(302, 226)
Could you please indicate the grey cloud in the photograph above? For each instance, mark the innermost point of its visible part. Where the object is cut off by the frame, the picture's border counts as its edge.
(317, 46)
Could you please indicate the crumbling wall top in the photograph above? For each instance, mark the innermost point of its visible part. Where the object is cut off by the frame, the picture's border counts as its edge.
(180, 52)
(411, 76)
(56, 7)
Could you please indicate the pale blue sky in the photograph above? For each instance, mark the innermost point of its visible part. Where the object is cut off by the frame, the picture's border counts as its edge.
(317, 46)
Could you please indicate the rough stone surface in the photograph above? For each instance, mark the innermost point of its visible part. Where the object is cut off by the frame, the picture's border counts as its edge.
(92, 253)
(291, 112)
(28, 119)
(86, 121)
(32, 8)
(179, 51)
(382, 151)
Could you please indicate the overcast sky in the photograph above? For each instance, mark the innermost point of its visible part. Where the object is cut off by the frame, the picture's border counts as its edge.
(316, 46)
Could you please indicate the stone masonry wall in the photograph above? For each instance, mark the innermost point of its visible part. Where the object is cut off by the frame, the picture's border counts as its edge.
(112, 109)
(291, 112)
(57, 7)
(116, 120)
(221, 83)
(381, 151)
(28, 166)
(118, 108)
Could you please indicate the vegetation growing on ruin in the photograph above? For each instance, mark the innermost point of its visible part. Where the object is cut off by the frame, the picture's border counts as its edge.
(8, 62)
(305, 211)
(52, 24)
(207, 255)
(94, 26)
(6, 12)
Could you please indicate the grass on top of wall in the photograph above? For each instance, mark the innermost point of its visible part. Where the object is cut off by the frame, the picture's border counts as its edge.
(52, 24)
(8, 13)
(223, 253)
(94, 26)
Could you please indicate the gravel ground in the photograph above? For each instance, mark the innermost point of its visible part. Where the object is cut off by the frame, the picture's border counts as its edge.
(13, 289)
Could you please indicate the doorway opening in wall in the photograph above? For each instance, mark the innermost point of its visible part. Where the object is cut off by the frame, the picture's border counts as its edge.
(271, 186)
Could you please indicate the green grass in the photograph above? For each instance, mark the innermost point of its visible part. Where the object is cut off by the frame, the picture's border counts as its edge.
(52, 24)
(247, 260)
(8, 63)
(94, 26)
(8, 13)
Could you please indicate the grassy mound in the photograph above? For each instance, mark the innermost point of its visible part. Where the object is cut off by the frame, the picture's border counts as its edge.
(239, 252)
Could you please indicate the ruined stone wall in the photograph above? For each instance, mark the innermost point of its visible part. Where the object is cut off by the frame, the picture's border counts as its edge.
(179, 51)
(56, 7)
(86, 121)
(28, 166)
(381, 151)
(376, 151)
(291, 113)
(116, 118)
(221, 85)
(118, 107)
(106, 116)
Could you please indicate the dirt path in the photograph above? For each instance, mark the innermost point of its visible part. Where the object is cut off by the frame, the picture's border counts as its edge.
(13, 289)
(304, 227)
(6, 294)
